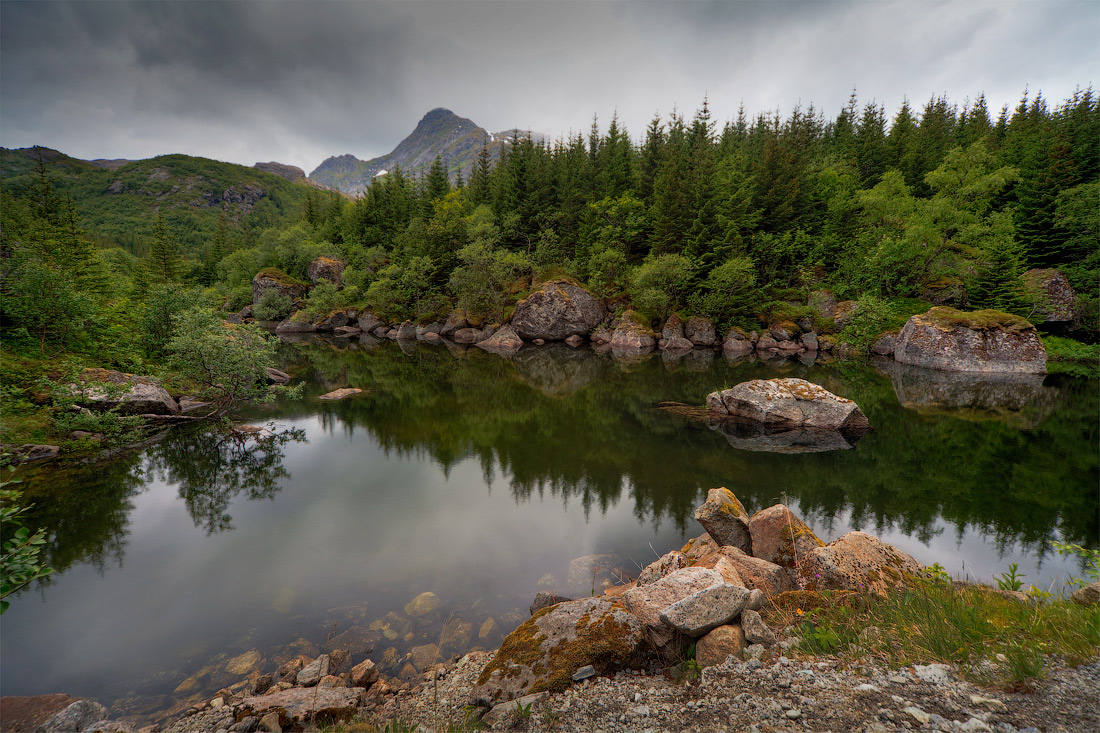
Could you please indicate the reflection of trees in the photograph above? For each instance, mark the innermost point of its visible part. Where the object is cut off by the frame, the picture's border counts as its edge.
(84, 509)
(213, 466)
(605, 436)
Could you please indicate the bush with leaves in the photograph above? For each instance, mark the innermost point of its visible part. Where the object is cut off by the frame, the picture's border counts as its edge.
(872, 316)
(272, 306)
(229, 361)
(162, 305)
(19, 563)
(660, 284)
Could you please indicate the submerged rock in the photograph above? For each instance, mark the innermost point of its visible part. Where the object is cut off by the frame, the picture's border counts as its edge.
(979, 341)
(340, 394)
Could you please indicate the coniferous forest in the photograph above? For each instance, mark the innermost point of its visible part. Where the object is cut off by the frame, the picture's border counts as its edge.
(944, 202)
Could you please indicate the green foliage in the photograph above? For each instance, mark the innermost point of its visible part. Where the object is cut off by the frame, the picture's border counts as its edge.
(19, 561)
(230, 362)
(1089, 558)
(162, 305)
(872, 315)
(272, 306)
(729, 291)
(660, 284)
(484, 275)
(1010, 580)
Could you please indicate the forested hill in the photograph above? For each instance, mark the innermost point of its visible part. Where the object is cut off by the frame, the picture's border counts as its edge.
(117, 201)
(440, 133)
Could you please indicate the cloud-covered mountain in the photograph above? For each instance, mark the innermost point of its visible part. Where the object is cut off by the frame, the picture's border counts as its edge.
(440, 133)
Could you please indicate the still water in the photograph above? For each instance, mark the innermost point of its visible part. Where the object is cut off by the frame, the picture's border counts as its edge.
(212, 557)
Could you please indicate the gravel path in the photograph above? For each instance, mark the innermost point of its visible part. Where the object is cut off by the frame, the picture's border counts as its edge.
(775, 695)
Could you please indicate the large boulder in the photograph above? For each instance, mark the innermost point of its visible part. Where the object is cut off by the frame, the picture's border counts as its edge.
(978, 341)
(632, 334)
(556, 311)
(725, 519)
(856, 561)
(132, 394)
(326, 269)
(737, 568)
(788, 403)
(1053, 295)
(780, 537)
(699, 331)
(272, 278)
(545, 651)
(673, 328)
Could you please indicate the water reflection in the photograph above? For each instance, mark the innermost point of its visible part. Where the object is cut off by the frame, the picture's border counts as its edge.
(1019, 400)
(755, 436)
(482, 480)
(212, 466)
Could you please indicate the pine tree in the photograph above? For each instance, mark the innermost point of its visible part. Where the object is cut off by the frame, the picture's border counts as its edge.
(164, 263)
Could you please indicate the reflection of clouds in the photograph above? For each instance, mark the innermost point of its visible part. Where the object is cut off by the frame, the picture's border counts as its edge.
(972, 556)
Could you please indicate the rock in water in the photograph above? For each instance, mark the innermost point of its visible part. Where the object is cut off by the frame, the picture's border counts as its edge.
(545, 651)
(979, 341)
(558, 310)
(632, 335)
(788, 403)
(340, 394)
(725, 519)
(504, 342)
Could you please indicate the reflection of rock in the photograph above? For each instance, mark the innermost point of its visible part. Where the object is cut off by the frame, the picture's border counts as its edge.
(557, 370)
(754, 436)
(1020, 400)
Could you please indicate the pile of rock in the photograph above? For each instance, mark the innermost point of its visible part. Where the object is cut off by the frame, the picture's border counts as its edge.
(708, 593)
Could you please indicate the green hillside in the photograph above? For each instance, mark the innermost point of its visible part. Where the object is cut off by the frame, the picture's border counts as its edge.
(119, 206)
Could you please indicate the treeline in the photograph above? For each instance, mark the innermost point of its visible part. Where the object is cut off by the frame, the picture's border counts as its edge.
(944, 203)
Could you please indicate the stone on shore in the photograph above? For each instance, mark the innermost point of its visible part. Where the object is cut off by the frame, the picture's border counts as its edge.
(632, 335)
(788, 403)
(1088, 595)
(364, 674)
(980, 341)
(725, 519)
(504, 342)
(668, 563)
(131, 394)
(715, 647)
(299, 705)
(756, 631)
(780, 537)
(648, 601)
(556, 311)
(28, 713)
(545, 599)
(857, 561)
(312, 673)
(706, 609)
(699, 331)
(545, 650)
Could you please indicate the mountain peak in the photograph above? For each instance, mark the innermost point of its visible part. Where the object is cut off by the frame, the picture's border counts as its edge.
(437, 114)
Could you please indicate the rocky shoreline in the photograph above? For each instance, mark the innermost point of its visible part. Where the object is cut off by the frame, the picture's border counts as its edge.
(683, 647)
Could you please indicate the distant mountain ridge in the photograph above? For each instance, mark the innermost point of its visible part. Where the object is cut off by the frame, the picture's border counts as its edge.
(439, 133)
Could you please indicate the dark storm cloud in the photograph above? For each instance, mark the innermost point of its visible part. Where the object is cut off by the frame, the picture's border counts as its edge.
(296, 81)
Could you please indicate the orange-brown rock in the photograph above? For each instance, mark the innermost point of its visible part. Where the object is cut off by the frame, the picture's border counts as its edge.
(780, 537)
(857, 561)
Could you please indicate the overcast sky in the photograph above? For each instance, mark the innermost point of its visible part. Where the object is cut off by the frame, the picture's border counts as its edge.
(297, 82)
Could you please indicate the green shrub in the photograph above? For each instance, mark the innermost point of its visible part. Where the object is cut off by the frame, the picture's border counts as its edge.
(272, 306)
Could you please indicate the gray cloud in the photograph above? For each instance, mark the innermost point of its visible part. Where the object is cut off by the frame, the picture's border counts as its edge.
(297, 81)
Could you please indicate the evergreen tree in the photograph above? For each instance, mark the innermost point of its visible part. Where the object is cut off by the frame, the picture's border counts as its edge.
(164, 263)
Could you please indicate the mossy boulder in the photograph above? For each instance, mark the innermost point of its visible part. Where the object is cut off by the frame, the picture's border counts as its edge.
(1053, 295)
(633, 334)
(976, 341)
(725, 519)
(780, 537)
(272, 278)
(326, 269)
(556, 311)
(545, 651)
(857, 561)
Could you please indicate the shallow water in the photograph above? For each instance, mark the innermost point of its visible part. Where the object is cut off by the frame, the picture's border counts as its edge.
(481, 479)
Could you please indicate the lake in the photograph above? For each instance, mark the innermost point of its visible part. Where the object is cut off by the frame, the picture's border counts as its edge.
(212, 556)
